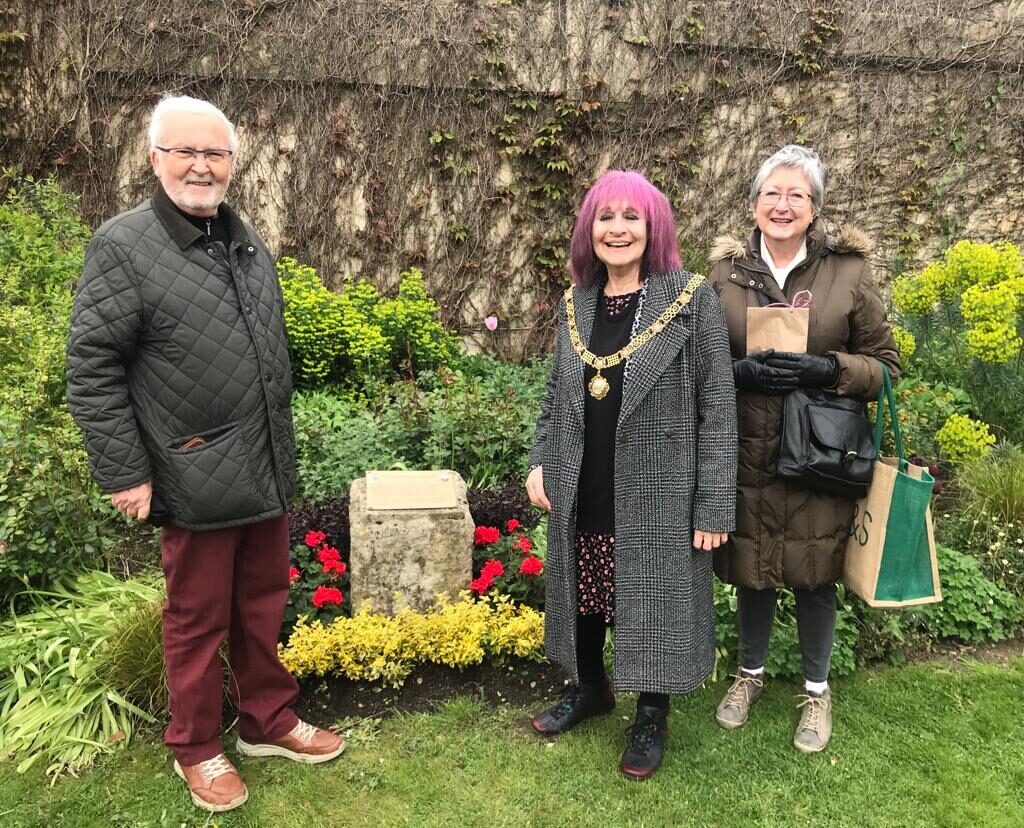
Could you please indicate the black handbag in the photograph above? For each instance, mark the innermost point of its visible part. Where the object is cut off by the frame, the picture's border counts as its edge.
(827, 443)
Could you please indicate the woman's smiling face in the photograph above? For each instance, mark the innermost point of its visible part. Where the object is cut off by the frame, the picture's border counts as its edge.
(783, 222)
(619, 236)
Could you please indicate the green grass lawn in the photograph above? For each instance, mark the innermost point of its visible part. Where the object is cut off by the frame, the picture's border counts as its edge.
(929, 745)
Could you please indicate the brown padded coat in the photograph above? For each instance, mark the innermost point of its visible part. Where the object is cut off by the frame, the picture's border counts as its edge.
(786, 535)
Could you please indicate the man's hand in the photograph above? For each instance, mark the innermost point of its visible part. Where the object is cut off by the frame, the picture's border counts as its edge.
(134, 502)
(709, 540)
(535, 489)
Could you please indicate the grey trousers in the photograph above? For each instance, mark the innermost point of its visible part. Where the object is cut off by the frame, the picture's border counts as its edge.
(815, 624)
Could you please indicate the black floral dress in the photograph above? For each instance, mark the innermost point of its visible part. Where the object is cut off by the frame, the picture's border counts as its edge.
(595, 520)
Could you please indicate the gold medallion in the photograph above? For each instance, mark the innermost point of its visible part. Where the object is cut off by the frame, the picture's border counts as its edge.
(598, 387)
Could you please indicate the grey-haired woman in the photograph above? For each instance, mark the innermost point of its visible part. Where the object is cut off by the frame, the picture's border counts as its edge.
(787, 536)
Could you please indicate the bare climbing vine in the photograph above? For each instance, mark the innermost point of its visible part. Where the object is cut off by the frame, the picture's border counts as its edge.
(459, 135)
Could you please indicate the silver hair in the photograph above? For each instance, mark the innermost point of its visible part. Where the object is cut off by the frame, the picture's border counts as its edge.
(183, 103)
(798, 157)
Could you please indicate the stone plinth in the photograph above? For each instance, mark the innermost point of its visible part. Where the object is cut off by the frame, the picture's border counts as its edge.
(415, 540)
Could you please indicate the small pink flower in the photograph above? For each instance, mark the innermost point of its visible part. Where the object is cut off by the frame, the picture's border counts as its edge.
(491, 323)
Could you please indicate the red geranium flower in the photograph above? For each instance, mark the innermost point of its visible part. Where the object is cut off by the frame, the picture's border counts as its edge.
(314, 539)
(293, 575)
(334, 567)
(492, 569)
(512, 525)
(486, 535)
(328, 553)
(481, 584)
(326, 595)
(524, 545)
(531, 565)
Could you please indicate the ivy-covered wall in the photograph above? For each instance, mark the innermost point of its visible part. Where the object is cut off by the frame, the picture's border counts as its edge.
(459, 135)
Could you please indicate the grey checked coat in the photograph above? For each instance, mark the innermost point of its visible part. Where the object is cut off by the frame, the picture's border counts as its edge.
(675, 470)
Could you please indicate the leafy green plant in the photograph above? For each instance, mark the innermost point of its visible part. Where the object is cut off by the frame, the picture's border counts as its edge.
(973, 609)
(335, 443)
(996, 483)
(55, 702)
(966, 315)
(357, 338)
(53, 520)
(132, 661)
(997, 545)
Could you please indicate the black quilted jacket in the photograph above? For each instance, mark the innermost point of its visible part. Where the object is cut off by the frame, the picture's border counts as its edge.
(175, 338)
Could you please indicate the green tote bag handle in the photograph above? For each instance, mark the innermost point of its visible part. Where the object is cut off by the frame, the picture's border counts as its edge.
(886, 394)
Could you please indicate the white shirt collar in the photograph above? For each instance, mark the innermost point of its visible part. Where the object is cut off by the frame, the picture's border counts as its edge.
(782, 273)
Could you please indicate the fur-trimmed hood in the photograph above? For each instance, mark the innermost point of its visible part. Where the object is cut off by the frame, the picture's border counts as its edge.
(849, 240)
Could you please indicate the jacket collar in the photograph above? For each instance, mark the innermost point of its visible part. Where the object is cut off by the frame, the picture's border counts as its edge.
(184, 232)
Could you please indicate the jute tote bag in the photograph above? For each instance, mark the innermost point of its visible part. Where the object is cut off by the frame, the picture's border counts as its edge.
(890, 555)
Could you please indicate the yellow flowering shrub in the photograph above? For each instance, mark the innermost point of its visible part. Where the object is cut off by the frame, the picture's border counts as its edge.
(963, 440)
(985, 283)
(371, 646)
(905, 342)
(916, 295)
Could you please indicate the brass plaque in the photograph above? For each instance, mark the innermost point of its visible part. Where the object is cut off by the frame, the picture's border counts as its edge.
(393, 490)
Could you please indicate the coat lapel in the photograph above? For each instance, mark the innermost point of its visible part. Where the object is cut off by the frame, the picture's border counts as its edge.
(648, 364)
(585, 304)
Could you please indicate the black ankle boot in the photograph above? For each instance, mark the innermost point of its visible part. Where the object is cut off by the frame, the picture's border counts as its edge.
(579, 702)
(646, 743)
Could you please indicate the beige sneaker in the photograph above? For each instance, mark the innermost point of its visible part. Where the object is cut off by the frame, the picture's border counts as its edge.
(735, 707)
(305, 743)
(214, 784)
(815, 728)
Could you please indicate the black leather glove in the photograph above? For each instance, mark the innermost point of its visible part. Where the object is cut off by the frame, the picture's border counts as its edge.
(812, 371)
(753, 374)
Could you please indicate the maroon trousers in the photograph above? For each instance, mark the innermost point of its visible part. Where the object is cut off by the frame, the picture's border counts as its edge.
(225, 583)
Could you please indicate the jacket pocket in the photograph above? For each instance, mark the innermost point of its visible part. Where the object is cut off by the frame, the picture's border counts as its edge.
(212, 478)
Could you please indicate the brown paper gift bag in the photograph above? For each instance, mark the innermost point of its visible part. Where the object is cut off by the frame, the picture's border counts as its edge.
(780, 327)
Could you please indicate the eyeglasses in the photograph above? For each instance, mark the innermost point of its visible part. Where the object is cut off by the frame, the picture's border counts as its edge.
(212, 156)
(795, 199)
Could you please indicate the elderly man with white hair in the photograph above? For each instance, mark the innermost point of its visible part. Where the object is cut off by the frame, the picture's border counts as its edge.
(178, 375)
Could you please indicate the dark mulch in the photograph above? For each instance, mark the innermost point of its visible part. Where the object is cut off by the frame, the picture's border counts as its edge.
(516, 682)
(519, 683)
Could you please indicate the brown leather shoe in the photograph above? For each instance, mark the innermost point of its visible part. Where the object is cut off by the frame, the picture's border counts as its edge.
(214, 784)
(305, 743)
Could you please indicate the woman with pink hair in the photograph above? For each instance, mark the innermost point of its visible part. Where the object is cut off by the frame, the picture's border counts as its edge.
(635, 457)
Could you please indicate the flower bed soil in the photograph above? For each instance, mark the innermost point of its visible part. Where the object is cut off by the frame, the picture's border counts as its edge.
(517, 683)
(514, 682)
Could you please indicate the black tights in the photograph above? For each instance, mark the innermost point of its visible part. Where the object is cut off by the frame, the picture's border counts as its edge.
(590, 635)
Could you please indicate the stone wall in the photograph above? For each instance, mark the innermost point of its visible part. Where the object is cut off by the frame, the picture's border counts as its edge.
(459, 135)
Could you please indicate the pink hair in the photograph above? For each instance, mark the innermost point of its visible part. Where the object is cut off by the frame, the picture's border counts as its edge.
(662, 253)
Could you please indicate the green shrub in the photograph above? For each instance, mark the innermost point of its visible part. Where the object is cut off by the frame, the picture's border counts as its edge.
(996, 483)
(966, 314)
(42, 249)
(56, 702)
(313, 319)
(133, 658)
(997, 545)
(356, 338)
(478, 420)
(335, 442)
(973, 609)
(53, 520)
